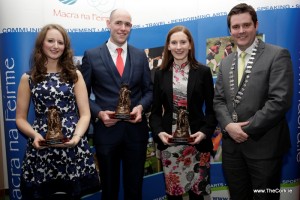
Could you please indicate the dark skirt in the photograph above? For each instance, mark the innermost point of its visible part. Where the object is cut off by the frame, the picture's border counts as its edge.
(61, 189)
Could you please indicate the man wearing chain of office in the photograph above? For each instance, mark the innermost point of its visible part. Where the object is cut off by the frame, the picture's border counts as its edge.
(253, 93)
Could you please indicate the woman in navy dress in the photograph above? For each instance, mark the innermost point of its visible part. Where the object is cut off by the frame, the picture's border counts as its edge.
(54, 82)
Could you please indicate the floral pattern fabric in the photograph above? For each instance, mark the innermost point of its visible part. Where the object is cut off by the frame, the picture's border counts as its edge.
(185, 168)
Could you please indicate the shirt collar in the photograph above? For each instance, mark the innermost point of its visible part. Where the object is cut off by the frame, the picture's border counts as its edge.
(248, 50)
(112, 47)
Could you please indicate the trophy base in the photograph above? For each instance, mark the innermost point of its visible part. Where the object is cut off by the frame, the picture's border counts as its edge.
(178, 140)
(51, 142)
(122, 116)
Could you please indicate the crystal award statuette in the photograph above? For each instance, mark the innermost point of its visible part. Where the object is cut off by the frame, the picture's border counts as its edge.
(181, 134)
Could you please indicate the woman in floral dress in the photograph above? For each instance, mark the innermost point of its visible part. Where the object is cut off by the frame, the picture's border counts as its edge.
(54, 82)
(180, 82)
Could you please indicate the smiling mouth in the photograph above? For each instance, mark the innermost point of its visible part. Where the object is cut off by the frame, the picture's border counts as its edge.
(242, 37)
(54, 52)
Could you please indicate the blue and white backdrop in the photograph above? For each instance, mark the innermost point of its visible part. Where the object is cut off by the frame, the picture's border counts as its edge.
(85, 21)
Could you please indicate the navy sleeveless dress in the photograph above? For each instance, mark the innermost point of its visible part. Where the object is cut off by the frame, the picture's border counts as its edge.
(50, 170)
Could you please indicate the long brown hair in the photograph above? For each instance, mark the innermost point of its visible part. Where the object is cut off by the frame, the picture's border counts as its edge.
(39, 59)
(168, 58)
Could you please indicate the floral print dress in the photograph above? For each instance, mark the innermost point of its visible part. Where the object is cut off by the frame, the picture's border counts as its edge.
(185, 168)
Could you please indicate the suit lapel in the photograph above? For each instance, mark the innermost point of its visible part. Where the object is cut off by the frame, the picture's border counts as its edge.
(260, 49)
(233, 58)
(168, 84)
(191, 84)
(129, 65)
(109, 64)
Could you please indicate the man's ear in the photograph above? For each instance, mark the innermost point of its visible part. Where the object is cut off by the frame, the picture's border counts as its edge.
(108, 24)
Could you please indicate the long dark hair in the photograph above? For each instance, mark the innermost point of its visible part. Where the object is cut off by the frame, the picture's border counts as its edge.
(39, 59)
(168, 58)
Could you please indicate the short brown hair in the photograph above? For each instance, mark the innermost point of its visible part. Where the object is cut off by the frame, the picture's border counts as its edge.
(242, 8)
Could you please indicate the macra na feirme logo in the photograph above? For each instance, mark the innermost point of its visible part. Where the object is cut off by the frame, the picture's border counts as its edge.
(68, 2)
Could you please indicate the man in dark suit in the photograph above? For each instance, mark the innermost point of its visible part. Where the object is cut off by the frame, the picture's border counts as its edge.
(252, 112)
(119, 141)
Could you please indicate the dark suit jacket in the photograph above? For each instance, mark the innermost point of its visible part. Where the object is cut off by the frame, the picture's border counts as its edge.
(265, 102)
(199, 91)
(102, 78)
